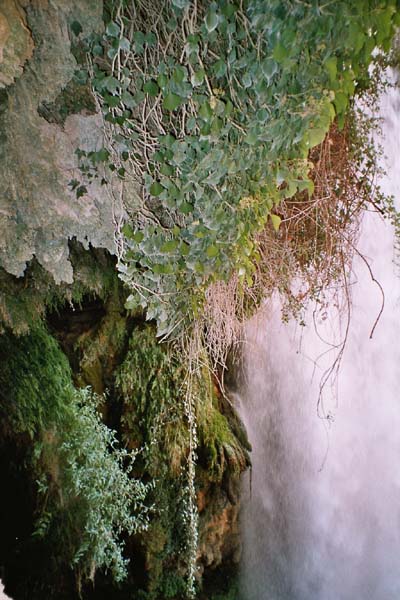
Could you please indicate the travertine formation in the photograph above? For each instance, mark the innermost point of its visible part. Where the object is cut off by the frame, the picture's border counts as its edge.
(38, 211)
(16, 43)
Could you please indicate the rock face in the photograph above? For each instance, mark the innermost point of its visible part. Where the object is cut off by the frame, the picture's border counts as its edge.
(98, 336)
(38, 212)
(52, 240)
(219, 525)
(16, 43)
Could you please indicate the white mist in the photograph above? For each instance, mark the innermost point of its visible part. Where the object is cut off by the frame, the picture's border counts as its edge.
(323, 518)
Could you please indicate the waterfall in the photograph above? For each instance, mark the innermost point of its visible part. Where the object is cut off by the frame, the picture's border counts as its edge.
(322, 519)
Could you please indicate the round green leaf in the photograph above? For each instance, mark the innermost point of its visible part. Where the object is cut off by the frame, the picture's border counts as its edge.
(112, 29)
(269, 67)
(138, 237)
(167, 170)
(185, 249)
(162, 81)
(280, 52)
(128, 100)
(211, 20)
(316, 136)
(197, 78)
(276, 222)
(151, 88)
(156, 188)
(171, 101)
(206, 111)
(76, 28)
(150, 38)
(170, 246)
(124, 44)
(212, 251)
(186, 208)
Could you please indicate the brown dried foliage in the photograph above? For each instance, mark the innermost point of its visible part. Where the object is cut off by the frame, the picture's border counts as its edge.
(311, 254)
(308, 259)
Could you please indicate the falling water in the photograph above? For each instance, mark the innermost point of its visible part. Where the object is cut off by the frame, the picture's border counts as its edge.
(322, 521)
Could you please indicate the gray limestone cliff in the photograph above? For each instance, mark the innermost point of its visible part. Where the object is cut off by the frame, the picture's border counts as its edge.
(38, 211)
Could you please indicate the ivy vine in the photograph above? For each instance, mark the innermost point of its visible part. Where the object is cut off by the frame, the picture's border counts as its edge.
(212, 108)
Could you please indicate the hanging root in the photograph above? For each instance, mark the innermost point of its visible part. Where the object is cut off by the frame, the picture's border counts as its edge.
(309, 259)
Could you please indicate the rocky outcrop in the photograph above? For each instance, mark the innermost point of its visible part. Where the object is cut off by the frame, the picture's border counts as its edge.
(16, 43)
(38, 211)
(219, 524)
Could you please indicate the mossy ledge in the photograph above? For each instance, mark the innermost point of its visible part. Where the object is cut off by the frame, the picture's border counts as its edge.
(59, 345)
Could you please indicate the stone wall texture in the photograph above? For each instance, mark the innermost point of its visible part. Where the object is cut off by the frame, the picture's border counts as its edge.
(38, 211)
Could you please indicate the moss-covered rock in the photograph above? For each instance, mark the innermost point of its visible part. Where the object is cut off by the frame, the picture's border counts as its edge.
(83, 494)
(152, 384)
(35, 379)
(25, 301)
(110, 349)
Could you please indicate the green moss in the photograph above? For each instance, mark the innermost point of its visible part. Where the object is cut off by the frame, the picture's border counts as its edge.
(99, 351)
(73, 99)
(24, 301)
(86, 497)
(218, 440)
(219, 443)
(35, 380)
(150, 381)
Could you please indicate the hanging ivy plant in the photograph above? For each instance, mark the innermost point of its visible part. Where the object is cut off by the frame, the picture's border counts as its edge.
(213, 108)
